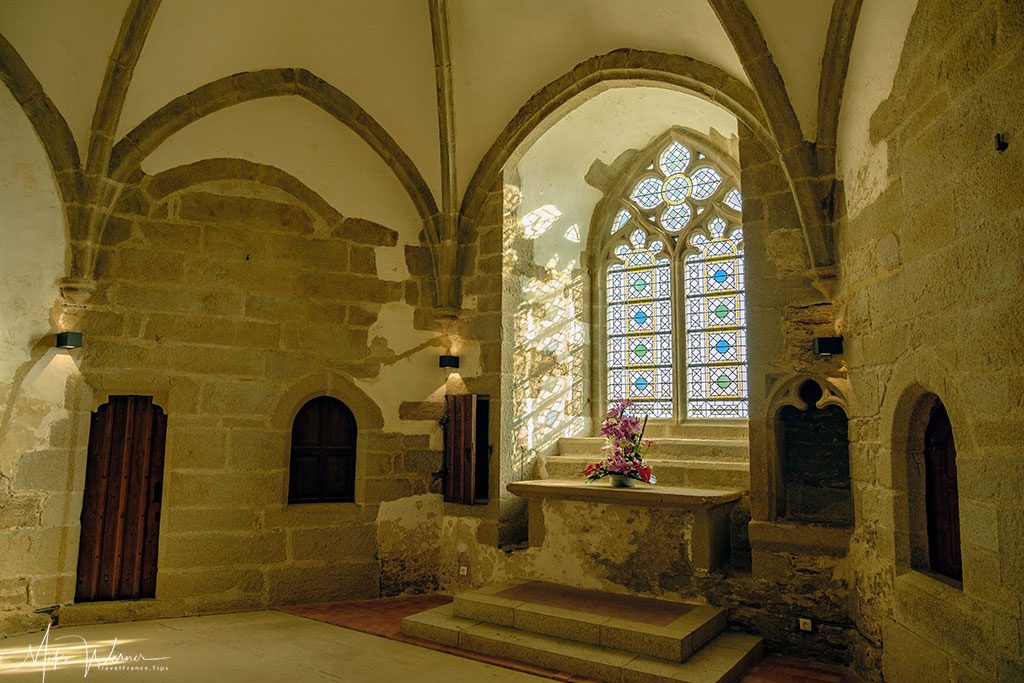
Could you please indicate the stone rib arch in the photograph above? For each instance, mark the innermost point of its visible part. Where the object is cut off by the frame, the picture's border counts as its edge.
(166, 183)
(49, 124)
(559, 97)
(131, 150)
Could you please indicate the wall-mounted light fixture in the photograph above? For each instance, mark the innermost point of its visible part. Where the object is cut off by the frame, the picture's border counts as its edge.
(828, 346)
(448, 362)
(69, 340)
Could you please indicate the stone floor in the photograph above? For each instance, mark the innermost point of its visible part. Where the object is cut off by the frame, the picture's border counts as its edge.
(250, 646)
(301, 645)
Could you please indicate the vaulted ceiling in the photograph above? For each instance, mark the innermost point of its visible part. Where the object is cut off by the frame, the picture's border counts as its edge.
(391, 58)
(380, 53)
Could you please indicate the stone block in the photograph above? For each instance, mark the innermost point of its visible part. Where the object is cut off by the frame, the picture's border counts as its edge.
(13, 593)
(361, 316)
(308, 254)
(380, 490)
(247, 211)
(61, 509)
(177, 520)
(236, 243)
(189, 584)
(343, 542)
(166, 236)
(221, 549)
(366, 232)
(47, 471)
(308, 582)
(421, 410)
(146, 265)
(225, 489)
(252, 449)
(364, 260)
(239, 398)
(195, 448)
(908, 658)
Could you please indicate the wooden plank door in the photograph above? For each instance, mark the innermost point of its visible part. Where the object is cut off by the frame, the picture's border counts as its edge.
(942, 496)
(466, 448)
(459, 446)
(117, 552)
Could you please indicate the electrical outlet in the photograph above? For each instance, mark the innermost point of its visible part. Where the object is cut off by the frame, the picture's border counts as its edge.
(464, 570)
(806, 625)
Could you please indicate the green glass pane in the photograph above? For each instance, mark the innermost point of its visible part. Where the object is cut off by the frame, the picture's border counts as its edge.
(721, 310)
(723, 381)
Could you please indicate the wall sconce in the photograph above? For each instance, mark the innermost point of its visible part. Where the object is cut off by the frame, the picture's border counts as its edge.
(69, 340)
(448, 362)
(828, 346)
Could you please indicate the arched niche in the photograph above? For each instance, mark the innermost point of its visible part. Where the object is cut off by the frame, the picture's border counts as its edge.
(932, 512)
(813, 448)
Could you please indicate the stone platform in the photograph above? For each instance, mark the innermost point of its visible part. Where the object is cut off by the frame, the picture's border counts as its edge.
(600, 635)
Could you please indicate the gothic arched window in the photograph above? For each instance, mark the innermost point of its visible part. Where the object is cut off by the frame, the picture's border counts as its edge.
(671, 249)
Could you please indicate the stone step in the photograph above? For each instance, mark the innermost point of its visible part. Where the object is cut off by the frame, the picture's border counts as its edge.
(704, 429)
(723, 660)
(643, 626)
(690, 473)
(719, 450)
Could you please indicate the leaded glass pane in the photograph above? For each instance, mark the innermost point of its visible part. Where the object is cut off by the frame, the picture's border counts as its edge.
(675, 218)
(674, 159)
(716, 376)
(639, 298)
(705, 181)
(647, 193)
(620, 219)
(733, 200)
(676, 189)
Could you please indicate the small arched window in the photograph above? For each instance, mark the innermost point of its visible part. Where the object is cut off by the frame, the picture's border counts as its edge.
(323, 460)
(941, 495)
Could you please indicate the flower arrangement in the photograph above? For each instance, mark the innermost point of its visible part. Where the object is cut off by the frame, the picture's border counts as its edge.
(625, 435)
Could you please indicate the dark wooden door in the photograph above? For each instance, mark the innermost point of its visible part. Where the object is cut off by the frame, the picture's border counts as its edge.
(117, 552)
(466, 448)
(323, 461)
(941, 496)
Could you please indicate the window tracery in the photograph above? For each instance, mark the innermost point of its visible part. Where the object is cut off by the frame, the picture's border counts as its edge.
(673, 284)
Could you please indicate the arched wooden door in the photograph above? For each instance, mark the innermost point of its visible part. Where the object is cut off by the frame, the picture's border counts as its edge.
(117, 552)
(941, 496)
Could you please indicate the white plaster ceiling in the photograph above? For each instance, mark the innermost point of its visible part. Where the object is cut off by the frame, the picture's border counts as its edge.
(296, 136)
(379, 52)
(504, 52)
(67, 45)
(795, 32)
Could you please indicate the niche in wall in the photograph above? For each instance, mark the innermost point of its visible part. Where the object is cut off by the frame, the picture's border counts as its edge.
(814, 450)
(933, 492)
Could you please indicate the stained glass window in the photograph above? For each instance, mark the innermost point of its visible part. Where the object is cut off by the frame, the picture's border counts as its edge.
(639, 300)
(688, 207)
(716, 326)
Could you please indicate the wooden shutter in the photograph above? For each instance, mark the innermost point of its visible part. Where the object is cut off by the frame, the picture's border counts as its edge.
(117, 556)
(466, 448)
(942, 496)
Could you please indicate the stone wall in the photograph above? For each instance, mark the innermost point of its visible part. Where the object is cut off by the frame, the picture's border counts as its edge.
(41, 393)
(233, 302)
(930, 301)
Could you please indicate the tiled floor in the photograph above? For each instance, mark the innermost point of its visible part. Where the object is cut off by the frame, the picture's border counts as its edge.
(384, 618)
